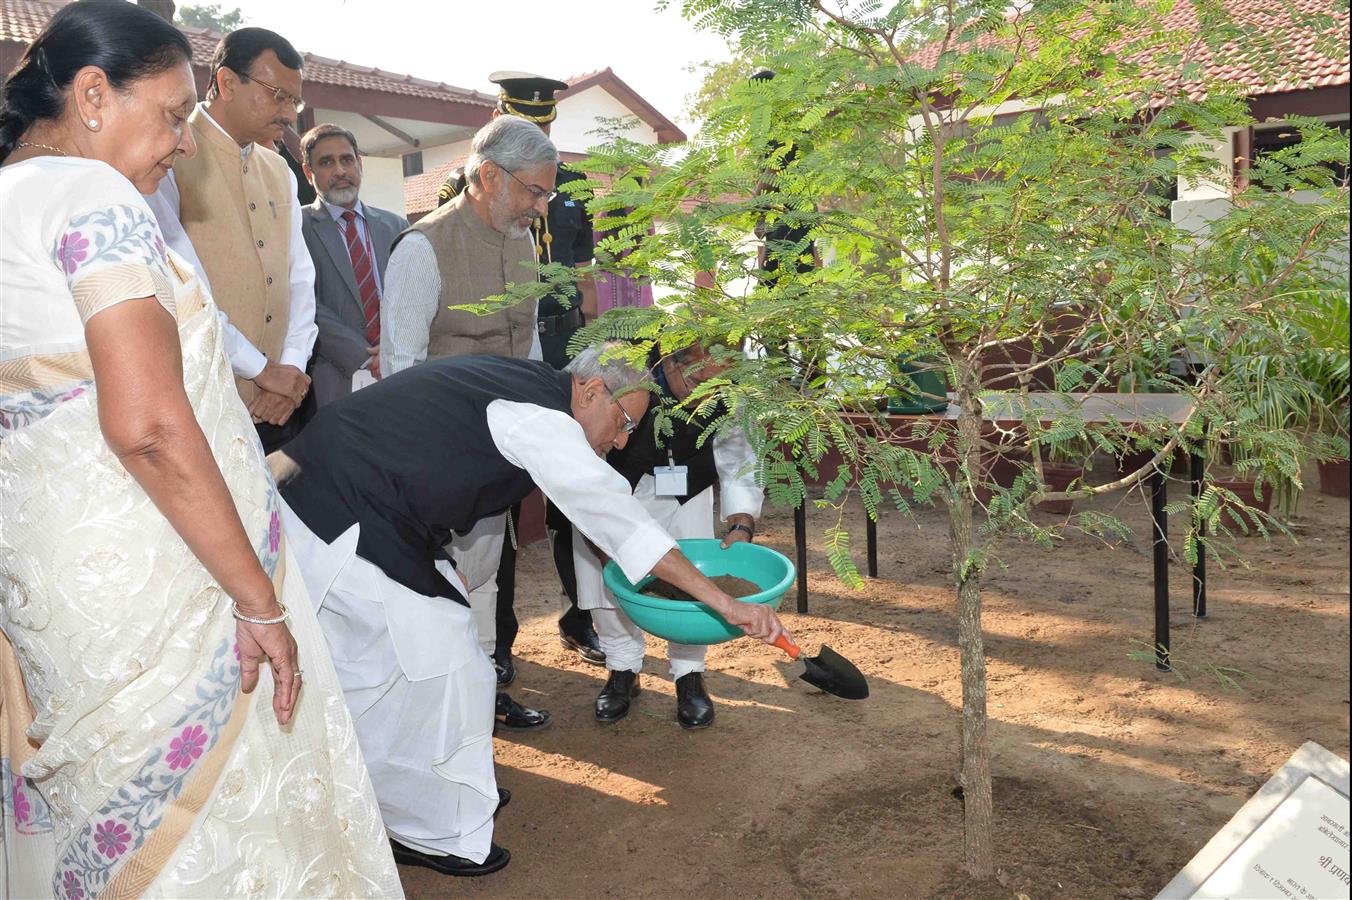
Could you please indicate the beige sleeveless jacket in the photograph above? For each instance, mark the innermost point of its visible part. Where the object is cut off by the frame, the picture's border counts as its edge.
(477, 262)
(237, 213)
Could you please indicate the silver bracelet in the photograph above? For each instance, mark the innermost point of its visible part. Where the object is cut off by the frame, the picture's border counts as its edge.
(252, 620)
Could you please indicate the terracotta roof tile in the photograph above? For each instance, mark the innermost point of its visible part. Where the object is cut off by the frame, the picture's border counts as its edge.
(1303, 66)
(420, 191)
(21, 20)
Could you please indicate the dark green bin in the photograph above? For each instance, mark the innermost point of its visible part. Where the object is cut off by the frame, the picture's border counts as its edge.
(931, 394)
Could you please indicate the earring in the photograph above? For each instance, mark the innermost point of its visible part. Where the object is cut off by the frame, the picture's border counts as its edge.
(94, 123)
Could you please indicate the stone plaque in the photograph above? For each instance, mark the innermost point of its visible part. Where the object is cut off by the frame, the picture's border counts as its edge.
(1290, 840)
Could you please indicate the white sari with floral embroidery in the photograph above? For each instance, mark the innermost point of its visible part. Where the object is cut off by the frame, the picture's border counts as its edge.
(131, 764)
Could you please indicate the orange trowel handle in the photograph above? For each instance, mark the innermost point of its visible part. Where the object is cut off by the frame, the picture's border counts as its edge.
(785, 643)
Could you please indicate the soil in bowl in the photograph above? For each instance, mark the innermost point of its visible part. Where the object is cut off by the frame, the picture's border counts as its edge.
(729, 584)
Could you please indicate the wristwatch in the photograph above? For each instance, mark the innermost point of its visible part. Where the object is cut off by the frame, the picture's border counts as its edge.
(738, 526)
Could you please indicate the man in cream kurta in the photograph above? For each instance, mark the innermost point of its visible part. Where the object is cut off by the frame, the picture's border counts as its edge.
(232, 210)
(465, 251)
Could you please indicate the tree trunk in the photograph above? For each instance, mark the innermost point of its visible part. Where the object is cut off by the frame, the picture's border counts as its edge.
(975, 777)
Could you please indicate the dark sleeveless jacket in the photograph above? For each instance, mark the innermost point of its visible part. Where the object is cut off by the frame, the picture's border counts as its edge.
(412, 460)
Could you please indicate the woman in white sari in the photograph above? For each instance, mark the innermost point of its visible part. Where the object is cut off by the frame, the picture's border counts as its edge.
(141, 555)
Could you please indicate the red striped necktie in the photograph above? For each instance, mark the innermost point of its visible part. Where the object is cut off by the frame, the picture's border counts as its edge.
(364, 271)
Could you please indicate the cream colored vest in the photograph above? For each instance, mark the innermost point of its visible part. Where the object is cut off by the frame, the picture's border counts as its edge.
(477, 262)
(237, 213)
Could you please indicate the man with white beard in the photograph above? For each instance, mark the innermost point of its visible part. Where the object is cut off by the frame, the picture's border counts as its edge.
(350, 243)
(469, 249)
(463, 252)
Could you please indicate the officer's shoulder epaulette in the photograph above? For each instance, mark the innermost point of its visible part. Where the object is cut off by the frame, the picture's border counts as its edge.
(452, 187)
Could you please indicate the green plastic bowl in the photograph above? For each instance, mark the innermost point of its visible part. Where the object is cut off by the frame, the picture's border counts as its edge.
(692, 622)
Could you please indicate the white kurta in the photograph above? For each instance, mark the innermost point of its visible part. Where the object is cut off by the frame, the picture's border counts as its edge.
(420, 688)
(478, 556)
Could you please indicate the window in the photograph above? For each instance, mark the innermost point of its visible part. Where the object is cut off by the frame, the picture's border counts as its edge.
(413, 163)
(1269, 140)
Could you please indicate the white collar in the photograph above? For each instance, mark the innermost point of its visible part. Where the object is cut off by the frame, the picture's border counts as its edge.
(337, 211)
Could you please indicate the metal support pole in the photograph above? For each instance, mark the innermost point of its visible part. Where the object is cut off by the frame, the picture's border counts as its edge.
(800, 546)
(1199, 570)
(871, 538)
(1159, 498)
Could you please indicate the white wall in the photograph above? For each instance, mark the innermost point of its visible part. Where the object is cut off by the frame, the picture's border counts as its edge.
(1205, 191)
(382, 183)
(578, 115)
(443, 153)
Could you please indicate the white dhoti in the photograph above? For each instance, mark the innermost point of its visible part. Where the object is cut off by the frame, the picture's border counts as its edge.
(420, 691)
(620, 638)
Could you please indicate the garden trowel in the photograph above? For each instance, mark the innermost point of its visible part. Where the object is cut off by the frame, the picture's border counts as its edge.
(828, 671)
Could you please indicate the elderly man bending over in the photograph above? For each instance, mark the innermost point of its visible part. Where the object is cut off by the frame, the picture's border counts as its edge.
(378, 483)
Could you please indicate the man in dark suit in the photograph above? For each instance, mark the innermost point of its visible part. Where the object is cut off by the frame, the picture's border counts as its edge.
(350, 245)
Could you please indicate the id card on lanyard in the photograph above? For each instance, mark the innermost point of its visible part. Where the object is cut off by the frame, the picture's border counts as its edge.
(669, 480)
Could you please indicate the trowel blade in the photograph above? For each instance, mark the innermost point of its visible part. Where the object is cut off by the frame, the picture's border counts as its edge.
(834, 674)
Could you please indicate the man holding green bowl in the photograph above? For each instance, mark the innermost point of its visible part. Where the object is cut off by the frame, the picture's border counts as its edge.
(672, 478)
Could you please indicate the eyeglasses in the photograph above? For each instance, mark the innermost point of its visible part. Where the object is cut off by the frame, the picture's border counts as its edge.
(279, 94)
(537, 193)
(629, 425)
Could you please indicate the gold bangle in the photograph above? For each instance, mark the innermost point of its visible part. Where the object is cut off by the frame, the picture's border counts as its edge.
(254, 620)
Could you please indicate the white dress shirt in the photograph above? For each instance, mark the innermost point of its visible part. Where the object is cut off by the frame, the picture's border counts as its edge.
(735, 461)
(362, 234)
(301, 331)
(407, 309)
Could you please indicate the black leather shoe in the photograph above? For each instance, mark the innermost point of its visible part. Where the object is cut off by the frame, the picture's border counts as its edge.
(694, 709)
(498, 858)
(612, 704)
(587, 645)
(513, 716)
(504, 797)
(506, 670)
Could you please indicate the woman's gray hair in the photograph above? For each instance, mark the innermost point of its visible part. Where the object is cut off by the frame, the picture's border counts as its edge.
(619, 374)
(512, 144)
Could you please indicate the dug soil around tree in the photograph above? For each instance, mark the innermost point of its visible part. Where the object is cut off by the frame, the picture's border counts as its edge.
(1109, 775)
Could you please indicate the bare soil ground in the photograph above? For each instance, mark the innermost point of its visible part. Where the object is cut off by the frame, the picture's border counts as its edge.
(1110, 775)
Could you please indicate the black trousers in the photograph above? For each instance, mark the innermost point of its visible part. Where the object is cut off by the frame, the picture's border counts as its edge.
(574, 621)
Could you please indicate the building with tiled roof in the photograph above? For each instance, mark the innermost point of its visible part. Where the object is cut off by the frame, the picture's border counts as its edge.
(589, 99)
(390, 114)
(1310, 59)
(405, 125)
(1307, 75)
(664, 130)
